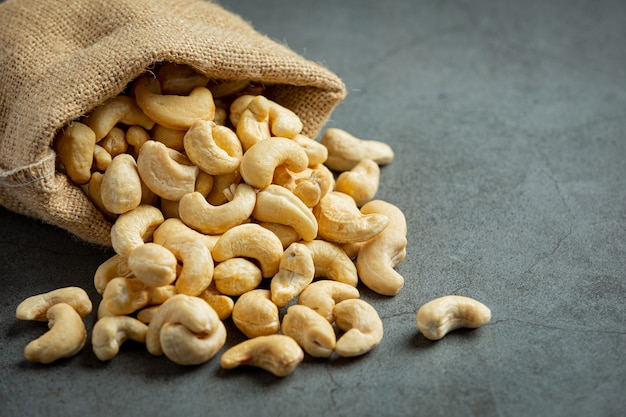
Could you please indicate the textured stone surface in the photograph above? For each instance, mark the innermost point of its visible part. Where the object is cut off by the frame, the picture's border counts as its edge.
(509, 124)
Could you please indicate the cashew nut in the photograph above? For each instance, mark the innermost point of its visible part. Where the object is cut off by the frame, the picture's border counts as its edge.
(115, 266)
(283, 122)
(253, 124)
(315, 151)
(66, 337)
(101, 159)
(120, 189)
(136, 136)
(168, 173)
(236, 276)
(260, 160)
(153, 264)
(250, 241)
(339, 219)
(277, 204)
(286, 234)
(133, 228)
(93, 190)
(225, 88)
(321, 296)
(221, 185)
(171, 138)
(278, 354)
(125, 295)
(204, 183)
(295, 273)
(312, 331)
(222, 304)
(215, 149)
(362, 325)
(361, 182)
(332, 262)
(197, 271)
(179, 79)
(115, 142)
(187, 330)
(75, 146)
(378, 256)
(119, 109)
(37, 306)
(255, 314)
(346, 150)
(442, 315)
(109, 333)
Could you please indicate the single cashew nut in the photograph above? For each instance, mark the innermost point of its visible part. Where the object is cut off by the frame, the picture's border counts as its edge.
(361, 182)
(321, 296)
(295, 273)
(37, 306)
(120, 189)
(378, 256)
(286, 234)
(339, 219)
(346, 150)
(260, 160)
(173, 232)
(253, 123)
(196, 212)
(120, 109)
(277, 204)
(315, 151)
(278, 354)
(222, 304)
(66, 337)
(133, 228)
(125, 295)
(236, 276)
(215, 149)
(75, 146)
(93, 190)
(101, 159)
(283, 122)
(250, 240)
(255, 314)
(225, 88)
(153, 264)
(109, 333)
(238, 106)
(179, 79)
(115, 266)
(115, 142)
(187, 330)
(312, 331)
(197, 271)
(221, 185)
(362, 325)
(136, 136)
(168, 173)
(332, 262)
(171, 138)
(442, 315)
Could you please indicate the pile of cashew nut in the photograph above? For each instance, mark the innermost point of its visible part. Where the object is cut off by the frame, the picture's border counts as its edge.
(223, 210)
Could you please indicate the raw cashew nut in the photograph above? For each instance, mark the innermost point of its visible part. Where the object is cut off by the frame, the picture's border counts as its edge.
(361, 182)
(168, 173)
(253, 124)
(125, 295)
(442, 315)
(66, 337)
(278, 354)
(277, 204)
(37, 306)
(222, 304)
(312, 331)
(379, 255)
(109, 333)
(135, 227)
(171, 138)
(260, 160)
(197, 271)
(173, 111)
(236, 276)
(225, 88)
(215, 149)
(286, 234)
(346, 150)
(221, 186)
(115, 266)
(250, 241)
(315, 151)
(93, 190)
(339, 219)
(136, 136)
(115, 142)
(179, 79)
(255, 314)
(173, 232)
(362, 325)
(283, 122)
(295, 273)
(332, 262)
(120, 189)
(75, 146)
(153, 264)
(321, 296)
(119, 109)
(196, 212)
(101, 158)
(187, 330)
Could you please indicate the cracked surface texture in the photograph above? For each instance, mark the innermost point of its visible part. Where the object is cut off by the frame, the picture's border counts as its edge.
(508, 121)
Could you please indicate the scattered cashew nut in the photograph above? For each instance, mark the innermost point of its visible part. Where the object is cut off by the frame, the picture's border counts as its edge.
(295, 273)
(255, 314)
(442, 315)
(346, 150)
(321, 296)
(362, 325)
(37, 306)
(109, 333)
(311, 330)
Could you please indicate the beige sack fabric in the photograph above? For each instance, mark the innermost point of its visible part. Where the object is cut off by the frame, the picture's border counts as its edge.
(62, 58)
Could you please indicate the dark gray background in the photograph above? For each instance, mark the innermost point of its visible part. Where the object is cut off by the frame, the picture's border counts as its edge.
(508, 119)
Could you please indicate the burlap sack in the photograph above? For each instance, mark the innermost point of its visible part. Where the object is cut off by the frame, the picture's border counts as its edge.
(61, 58)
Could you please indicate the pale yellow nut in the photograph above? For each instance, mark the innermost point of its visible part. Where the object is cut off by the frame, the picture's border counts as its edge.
(146, 314)
(172, 111)
(173, 139)
(362, 325)
(442, 315)
(221, 116)
(339, 219)
(109, 333)
(115, 142)
(74, 145)
(168, 173)
(120, 189)
(255, 314)
(283, 122)
(295, 273)
(325, 177)
(135, 227)
(253, 124)
(204, 183)
(115, 266)
(186, 329)
(361, 182)
(136, 136)
(346, 150)
(179, 79)
(213, 148)
(197, 270)
(286, 234)
(259, 161)
(378, 256)
(277, 204)
(153, 264)
(221, 185)
(222, 304)
(93, 191)
(37, 306)
(119, 109)
(236, 276)
(101, 159)
(103, 312)
(238, 106)
(321, 296)
(250, 241)
(125, 295)
(173, 232)
(278, 354)
(332, 262)
(200, 215)
(315, 151)
(311, 330)
(66, 337)
(309, 191)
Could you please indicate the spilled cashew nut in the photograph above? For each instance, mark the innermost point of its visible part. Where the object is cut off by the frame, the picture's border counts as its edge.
(120, 189)
(75, 145)
(222, 304)
(315, 151)
(133, 228)
(321, 296)
(361, 182)
(115, 266)
(260, 160)
(332, 262)
(197, 271)
(442, 315)
(346, 150)
(283, 122)
(312, 331)
(153, 264)
(236, 276)
(119, 109)
(173, 232)
(213, 148)
(278, 354)
(255, 314)
(295, 273)
(109, 333)
(37, 306)
(362, 325)
(125, 295)
(253, 123)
